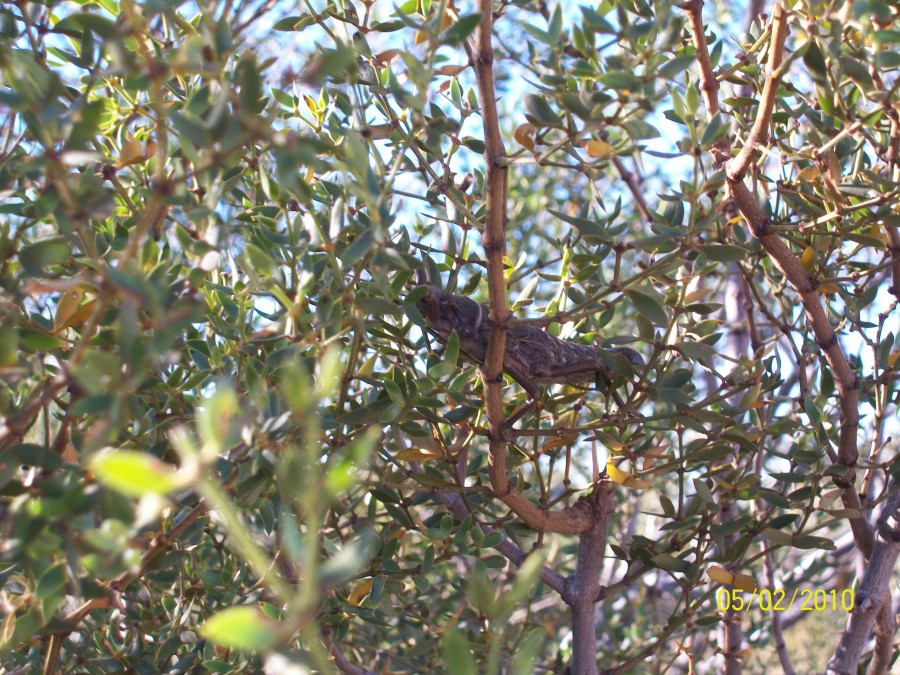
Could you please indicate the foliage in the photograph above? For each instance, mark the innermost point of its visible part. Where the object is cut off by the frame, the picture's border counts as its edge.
(227, 439)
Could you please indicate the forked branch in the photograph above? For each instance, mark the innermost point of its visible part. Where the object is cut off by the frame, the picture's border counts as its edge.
(583, 516)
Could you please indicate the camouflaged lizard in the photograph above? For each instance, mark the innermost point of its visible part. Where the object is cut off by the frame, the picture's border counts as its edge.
(533, 357)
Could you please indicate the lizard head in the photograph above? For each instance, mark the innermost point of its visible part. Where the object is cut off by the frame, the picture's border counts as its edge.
(445, 313)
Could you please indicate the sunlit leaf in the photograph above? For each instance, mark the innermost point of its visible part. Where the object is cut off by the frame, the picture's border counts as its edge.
(244, 628)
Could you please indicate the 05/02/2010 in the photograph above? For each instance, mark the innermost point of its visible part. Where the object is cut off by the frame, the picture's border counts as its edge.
(779, 601)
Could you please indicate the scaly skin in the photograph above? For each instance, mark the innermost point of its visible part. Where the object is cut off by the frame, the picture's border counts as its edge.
(533, 357)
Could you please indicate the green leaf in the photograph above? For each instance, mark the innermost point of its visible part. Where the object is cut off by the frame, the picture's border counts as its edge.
(260, 260)
(451, 353)
(778, 537)
(474, 144)
(394, 392)
(244, 628)
(669, 562)
(527, 652)
(590, 229)
(676, 66)
(35, 258)
(814, 60)
(703, 491)
(51, 581)
(808, 541)
(887, 60)
(136, 473)
(347, 562)
(858, 72)
(723, 252)
(39, 342)
(647, 303)
(459, 31)
(248, 75)
(540, 113)
(457, 654)
(295, 23)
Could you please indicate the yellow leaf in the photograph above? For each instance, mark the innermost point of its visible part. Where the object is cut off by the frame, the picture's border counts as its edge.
(559, 442)
(311, 103)
(396, 534)
(809, 173)
(627, 480)
(651, 455)
(82, 313)
(808, 259)
(723, 483)
(524, 136)
(876, 232)
(359, 593)
(450, 16)
(378, 132)
(131, 153)
(745, 582)
(416, 455)
(450, 70)
(68, 305)
(828, 288)
(614, 445)
(720, 575)
(600, 149)
(386, 57)
(742, 582)
(833, 164)
(893, 357)
(696, 295)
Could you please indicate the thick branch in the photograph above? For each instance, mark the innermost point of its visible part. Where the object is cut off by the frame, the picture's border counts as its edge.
(495, 248)
(874, 590)
(573, 520)
(582, 588)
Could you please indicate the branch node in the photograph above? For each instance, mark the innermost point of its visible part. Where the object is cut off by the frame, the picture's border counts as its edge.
(828, 342)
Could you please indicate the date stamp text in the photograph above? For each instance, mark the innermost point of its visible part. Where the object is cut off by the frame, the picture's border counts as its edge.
(779, 600)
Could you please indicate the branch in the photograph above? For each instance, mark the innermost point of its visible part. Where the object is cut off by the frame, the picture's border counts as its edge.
(634, 185)
(583, 588)
(885, 629)
(874, 591)
(579, 518)
(494, 248)
(759, 134)
(14, 427)
(339, 659)
(775, 618)
(804, 284)
(506, 548)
